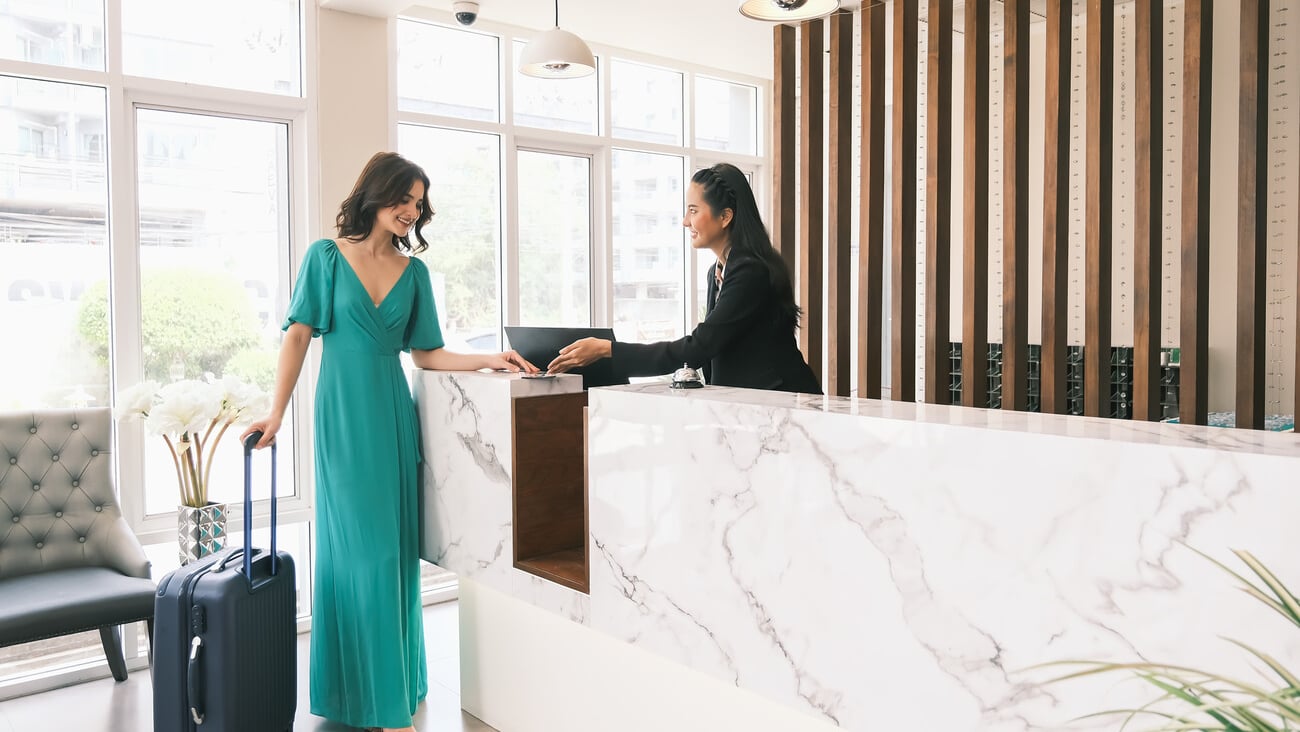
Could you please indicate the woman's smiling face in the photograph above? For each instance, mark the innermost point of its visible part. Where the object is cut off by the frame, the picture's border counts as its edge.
(707, 230)
(401, 216)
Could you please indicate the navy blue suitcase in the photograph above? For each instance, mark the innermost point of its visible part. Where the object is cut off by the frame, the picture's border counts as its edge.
(224, 655)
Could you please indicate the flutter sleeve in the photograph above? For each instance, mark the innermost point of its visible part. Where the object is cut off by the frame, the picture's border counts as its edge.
(422, 330)
(312, 303)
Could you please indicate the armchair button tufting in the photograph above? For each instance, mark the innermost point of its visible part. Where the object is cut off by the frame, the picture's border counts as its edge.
(76, 483)
(32, 430)
(58, 514)
(40, 545)
(94, 453)
(99, 509)
(13, 461)
(17, 519)
(81, 539)
(36, 486)
(55, 457)
(75, 426)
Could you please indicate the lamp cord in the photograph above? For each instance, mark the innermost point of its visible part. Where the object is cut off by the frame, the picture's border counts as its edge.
(557, 13)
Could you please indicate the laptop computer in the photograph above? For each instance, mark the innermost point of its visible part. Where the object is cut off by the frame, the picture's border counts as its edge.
(540, 345)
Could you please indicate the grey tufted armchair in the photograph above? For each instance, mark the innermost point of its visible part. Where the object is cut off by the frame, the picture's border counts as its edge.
(68, 561)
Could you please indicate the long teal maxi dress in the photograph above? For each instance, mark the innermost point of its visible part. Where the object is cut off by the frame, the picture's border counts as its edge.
(367, 639)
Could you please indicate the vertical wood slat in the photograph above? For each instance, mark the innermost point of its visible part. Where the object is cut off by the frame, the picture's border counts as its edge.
(839, 209)
(903, 261)
(1015, 196)
(1099, 203)
(1056, 207)
(812, 200)
(785, 149)
(1193, 389)
(1148, 209)
(1252, 213)
(975, 214)
(871, 250)
(938, 201)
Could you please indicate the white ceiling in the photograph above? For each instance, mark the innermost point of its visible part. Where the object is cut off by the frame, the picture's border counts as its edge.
(708, 33)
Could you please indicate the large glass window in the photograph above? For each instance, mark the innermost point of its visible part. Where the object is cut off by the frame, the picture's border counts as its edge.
(213, 197)
(554, 239)
(646, 103)
(464, 236)
(251, 45)
(648, 245)
(574, 196)
(59, 32)
(447, 72)
(53, 244)
(570, 105)
(726, 116)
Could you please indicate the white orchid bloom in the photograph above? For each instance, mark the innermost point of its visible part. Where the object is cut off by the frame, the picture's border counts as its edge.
(184, 407)
(240, 401)
(136, 402)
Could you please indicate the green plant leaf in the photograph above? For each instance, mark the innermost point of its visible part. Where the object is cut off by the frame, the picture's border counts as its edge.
(1274, 584)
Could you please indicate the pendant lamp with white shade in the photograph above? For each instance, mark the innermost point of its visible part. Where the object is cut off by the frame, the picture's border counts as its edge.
(557, 54)
(782, 11)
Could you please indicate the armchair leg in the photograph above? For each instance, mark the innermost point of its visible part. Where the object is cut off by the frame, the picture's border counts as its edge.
(149, 622)
(111, 637)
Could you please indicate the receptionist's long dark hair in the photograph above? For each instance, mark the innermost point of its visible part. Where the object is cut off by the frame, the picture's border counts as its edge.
(725, 187)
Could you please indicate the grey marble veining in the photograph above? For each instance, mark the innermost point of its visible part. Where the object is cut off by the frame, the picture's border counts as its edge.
(872, 564)
(867, 562)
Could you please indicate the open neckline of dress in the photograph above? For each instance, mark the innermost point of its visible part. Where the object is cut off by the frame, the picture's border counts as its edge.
(357, 278)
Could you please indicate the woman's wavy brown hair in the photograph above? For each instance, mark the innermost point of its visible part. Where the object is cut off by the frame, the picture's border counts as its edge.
(385, 180)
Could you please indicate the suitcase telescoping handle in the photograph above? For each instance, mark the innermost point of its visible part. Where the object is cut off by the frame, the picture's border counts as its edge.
(249, 443)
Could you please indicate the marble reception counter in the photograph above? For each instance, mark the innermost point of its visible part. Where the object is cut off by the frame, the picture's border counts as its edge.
(823, 563)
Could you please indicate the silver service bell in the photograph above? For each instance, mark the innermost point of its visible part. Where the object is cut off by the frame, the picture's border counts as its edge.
(687, 378)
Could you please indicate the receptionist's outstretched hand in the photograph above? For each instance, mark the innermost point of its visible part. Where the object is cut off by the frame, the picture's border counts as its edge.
(580, 353)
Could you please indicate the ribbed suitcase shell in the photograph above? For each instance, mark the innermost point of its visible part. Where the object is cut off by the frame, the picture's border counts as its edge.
(244, 676)
(247, 663)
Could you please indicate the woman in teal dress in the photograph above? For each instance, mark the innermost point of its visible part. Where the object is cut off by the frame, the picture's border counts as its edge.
(368, 300)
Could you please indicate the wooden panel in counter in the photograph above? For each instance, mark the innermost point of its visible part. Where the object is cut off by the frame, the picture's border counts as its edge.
(549, 514)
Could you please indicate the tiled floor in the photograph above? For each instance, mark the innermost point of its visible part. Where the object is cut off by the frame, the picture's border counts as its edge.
(106, 706)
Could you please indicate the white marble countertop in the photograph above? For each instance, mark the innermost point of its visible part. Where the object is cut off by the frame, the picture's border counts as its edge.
(1075, 427)
(859, 559)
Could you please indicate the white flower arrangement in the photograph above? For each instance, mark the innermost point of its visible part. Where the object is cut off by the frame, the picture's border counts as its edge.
(192, 416)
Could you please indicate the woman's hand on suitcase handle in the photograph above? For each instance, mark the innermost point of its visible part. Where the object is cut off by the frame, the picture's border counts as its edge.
(268, 427)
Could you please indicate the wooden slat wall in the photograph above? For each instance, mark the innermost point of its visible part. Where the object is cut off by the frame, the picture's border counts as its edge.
(903, 262)
(1193, 388)
(1149, 205)
(938, 201)
(1252, 214)
(785, 148)
(812, 198)
(871, 250)
(1056, 207)
(1148, 209)
(1015, 201)
(975, 214)
(839, 209)
(1097, 223)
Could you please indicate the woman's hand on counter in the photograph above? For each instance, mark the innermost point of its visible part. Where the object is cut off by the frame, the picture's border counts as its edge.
(580, 353)
(509, 361)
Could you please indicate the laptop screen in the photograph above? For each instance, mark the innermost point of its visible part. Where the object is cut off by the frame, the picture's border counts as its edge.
(540, 345)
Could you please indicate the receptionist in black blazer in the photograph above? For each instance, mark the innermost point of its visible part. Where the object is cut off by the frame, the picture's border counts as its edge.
(747, 337)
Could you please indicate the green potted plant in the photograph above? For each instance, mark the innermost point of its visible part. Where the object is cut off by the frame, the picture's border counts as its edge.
(1195, 699)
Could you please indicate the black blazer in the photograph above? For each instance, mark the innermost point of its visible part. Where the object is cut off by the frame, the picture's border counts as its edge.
(744, 339)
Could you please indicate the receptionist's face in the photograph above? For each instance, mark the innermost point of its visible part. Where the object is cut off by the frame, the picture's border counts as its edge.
(706, 230)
